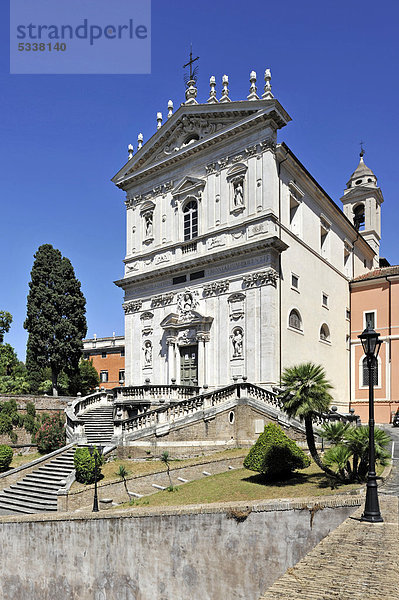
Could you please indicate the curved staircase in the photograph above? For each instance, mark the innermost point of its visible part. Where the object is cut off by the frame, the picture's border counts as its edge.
(37, 491)
(99, 425)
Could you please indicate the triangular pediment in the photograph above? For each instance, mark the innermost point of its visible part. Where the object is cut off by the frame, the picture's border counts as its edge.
(193, 125)
(188, 185)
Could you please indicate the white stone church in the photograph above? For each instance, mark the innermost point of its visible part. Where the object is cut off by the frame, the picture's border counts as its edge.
(237, 261)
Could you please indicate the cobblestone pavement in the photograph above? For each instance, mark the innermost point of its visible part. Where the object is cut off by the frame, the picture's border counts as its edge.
(357, 561)
(391, 486)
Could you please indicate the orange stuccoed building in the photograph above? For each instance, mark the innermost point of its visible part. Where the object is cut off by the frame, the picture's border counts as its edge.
(108, 356)
(375, 299)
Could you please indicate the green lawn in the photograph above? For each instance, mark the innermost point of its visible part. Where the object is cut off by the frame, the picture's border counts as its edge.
(21, 459)
(241, 484)
(145, 467)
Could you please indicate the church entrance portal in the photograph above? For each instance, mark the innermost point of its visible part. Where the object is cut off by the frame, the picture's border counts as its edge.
(189, 365)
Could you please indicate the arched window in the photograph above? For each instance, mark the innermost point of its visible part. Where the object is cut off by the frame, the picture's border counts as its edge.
(294, 320)
(190, 212)
(358, 218)
(365, 371)
(324, 333)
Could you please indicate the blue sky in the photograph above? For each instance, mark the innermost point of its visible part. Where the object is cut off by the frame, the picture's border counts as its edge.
(334, 69)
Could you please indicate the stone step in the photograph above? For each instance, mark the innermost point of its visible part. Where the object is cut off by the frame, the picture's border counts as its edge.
(16, 491)
(35, 485)
(45, 477)
(29, 489)
(26, 507)
(29, 499)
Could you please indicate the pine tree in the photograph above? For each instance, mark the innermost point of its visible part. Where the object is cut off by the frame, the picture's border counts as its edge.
(56, 319)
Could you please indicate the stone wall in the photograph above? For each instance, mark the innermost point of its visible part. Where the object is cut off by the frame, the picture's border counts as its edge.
(205, 552)
(233, 427)
(43, 404)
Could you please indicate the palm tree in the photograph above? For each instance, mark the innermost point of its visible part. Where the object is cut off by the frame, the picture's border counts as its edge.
(357, 441)
(305, 394)
(123, 473)
(165, 460)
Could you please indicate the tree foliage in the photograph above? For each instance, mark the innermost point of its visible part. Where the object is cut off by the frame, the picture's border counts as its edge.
(6, 455)
(85, 465)
(275, 455)
(55, 319)
(349, 456)
(5, 323)
(51, 434)
(305, 394)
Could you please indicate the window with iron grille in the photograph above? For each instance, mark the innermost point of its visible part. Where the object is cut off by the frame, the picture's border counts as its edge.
(374, 371)
(295, 320)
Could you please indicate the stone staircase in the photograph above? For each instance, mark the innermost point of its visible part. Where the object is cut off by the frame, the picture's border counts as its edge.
(37, 491)
(99, 425)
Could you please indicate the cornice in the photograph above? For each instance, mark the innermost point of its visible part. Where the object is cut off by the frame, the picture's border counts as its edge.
(205, 260)
(283, 152)
(270, 113)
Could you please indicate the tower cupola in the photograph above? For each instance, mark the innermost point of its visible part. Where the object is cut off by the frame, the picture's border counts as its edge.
(362, 201)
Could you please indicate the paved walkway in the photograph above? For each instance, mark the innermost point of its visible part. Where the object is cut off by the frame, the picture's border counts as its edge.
(357, 561)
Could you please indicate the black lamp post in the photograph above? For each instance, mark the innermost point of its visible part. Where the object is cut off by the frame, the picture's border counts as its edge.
(371, 346)
(96, 455)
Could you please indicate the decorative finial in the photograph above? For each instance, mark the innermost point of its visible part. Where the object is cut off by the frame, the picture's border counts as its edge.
(267, 94)
(191, 79)
(130, 150)
(212, 94)
(139, 141)
(252, 90)
(225, 91)
(170, 109)
(159, 120)
(362, 151)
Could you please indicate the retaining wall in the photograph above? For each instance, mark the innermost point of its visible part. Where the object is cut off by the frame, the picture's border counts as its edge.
(208, 552)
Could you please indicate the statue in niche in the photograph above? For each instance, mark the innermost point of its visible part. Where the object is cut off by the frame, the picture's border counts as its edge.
(148, 224)
(237, 339)
(147, 354)
(238, 193)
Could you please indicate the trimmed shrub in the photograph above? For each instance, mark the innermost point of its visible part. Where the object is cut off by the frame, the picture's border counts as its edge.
(85, 465)
(275, 455)
(51, 435)
(6, 455)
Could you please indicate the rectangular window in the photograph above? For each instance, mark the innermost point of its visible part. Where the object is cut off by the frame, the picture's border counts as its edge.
(369, 319)
(295, 282)
(197, 275)
(324, 300)
(122, 375)
(123, 352)
(103, 376)
(103, 355)
(179, 279)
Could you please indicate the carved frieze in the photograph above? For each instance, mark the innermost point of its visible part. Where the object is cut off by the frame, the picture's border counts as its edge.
(162, 300)
(132, 306)
(187, 301)
(258, 229)
(214, 242)
(216, 287)
(268, 277)
(162, 258)
(163, 188)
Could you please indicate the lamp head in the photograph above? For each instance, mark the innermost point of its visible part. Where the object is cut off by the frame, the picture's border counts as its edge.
(370, 342)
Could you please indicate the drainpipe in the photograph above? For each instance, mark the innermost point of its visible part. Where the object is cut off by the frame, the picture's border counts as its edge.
(350, 323)
(279, 263)
(389, 339)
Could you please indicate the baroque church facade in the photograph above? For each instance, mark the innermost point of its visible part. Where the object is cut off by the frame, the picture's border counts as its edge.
(237, 262)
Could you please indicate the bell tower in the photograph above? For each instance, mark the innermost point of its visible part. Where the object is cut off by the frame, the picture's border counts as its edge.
(362, 201)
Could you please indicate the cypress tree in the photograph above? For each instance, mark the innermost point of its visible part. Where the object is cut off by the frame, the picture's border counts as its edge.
(56, 319)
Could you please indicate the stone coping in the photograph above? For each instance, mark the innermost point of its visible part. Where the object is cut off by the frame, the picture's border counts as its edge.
(283, 504)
